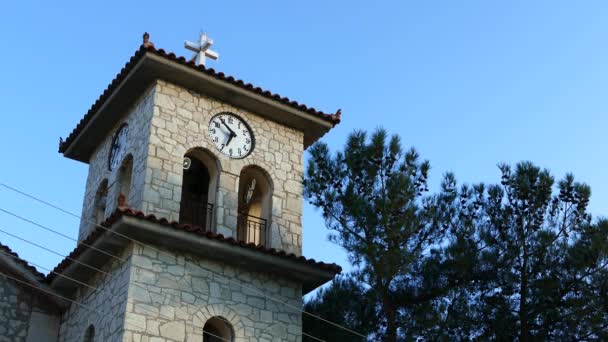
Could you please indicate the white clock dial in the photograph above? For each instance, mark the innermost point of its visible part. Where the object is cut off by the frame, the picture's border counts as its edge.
(231, 135)
(119, 147)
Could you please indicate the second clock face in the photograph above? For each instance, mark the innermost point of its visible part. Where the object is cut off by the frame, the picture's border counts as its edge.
(231, 135)
(119, 147)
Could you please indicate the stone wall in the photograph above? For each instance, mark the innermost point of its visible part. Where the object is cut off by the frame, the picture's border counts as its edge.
(171, 297)
(26, 315)
(44, 326)
(180, 123)
(138, 118)
(16, 307)
(109, 301)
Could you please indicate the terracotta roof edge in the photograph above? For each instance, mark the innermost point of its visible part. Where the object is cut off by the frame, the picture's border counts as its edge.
(334, 119)
(130, 212)
(22, 262)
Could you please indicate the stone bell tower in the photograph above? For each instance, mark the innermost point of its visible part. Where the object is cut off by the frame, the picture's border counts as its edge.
(205, 170)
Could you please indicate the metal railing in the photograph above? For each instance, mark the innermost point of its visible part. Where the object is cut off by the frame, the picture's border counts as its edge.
(197, 214)
(251, 229)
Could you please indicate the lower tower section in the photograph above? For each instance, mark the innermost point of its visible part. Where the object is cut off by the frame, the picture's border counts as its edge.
(182, 297)
(145, 279)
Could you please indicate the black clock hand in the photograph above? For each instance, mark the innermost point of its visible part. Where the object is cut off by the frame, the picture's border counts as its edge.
(230, 138)
(232, 134)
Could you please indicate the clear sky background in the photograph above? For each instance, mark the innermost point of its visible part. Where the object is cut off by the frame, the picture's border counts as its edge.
(468, 83)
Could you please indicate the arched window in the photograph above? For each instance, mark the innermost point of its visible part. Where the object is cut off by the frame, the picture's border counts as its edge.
(124, 181)
(89, 335)
(255, 199)
(217, 329)
(199, 187)
(99, 204)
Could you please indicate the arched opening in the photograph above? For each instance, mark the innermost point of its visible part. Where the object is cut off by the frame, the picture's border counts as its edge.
(199, 187)
(217, 329)
(254, 208)
(99, 204)
(124, 181)
(89, 335)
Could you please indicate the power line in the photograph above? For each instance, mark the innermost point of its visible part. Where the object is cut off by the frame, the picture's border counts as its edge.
(95, 289)
(134, 283)
(88, 307)
(58, 233)
(48, 269)
(49, 292)
(314, 338)
(172, 256)
(52, 251)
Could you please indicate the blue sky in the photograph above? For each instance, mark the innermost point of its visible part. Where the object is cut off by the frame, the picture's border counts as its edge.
(468, 83)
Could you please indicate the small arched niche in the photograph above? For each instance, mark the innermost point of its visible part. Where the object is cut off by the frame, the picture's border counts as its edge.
(217, 329)
(125, 174)
(100, 202)
(89, 334)
(254, 207)
(199, 188)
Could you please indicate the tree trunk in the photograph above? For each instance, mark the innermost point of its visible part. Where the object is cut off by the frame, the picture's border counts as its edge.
(523, 296)
(391, 321)
(390, 312)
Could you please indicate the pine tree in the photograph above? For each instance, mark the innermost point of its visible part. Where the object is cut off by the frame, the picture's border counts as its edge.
(345, 302)
(373, 199)
(544, 260)
(521, 260)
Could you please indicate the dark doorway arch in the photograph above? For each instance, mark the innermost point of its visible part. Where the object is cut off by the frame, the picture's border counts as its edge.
(217, 329)
(199, 187)
(89, 335)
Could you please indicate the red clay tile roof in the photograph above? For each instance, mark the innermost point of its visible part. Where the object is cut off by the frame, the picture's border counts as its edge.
(187, 228)
(22, 262)
(334, 119)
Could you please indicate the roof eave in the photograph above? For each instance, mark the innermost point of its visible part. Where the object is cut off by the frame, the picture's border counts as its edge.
(150, 66)
(20, 272)
(112, 109)
(160, 236)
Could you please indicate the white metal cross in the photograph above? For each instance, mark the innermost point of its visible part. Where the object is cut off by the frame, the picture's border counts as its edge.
(202, 50)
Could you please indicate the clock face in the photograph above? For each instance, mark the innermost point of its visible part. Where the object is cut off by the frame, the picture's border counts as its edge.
(119, 147)
(231, 135)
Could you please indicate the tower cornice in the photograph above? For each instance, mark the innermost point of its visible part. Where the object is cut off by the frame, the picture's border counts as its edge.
(161, 233)
(149, 64)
